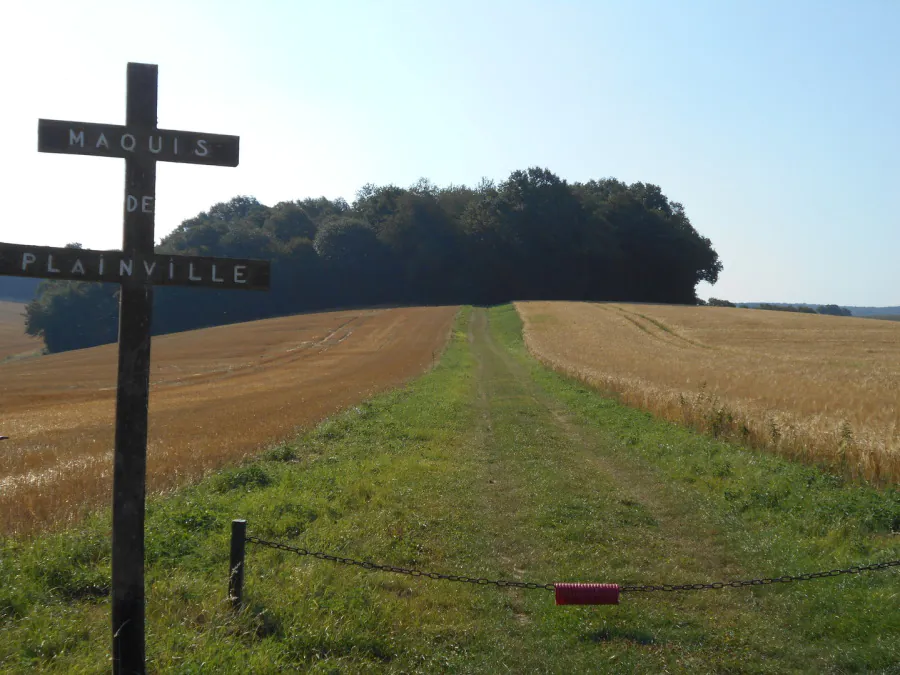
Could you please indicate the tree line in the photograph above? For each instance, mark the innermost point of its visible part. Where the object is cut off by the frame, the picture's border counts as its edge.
(829, 310)
(532, 236)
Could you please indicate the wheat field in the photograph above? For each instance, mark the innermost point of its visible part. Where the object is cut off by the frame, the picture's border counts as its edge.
(217, 395)
(14, 343)
(820, 389)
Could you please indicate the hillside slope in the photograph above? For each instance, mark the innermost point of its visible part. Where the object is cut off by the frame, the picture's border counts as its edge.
(216, 395)
(487, 468)
(13, 340)
(818, 388)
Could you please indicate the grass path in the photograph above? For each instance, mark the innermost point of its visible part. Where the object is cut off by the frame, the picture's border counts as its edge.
(558, 505)
(488, 466)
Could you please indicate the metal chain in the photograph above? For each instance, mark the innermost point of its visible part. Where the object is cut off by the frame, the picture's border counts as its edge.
(366, 565)
(856, 569)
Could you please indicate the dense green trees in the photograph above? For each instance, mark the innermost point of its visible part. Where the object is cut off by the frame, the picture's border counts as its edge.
(72, 314)
(533, 236)
(832, 310)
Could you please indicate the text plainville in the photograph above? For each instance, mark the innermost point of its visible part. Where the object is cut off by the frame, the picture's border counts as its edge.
(75, 264)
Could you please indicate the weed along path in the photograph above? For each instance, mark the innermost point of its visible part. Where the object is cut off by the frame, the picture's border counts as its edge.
(491, 467)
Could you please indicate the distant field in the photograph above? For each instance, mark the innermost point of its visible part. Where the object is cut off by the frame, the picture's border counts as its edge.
(817, 388)
(217, 394)
(13, 340)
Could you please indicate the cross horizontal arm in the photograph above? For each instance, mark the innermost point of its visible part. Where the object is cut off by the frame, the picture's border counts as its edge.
(74, 264)
(113, 140)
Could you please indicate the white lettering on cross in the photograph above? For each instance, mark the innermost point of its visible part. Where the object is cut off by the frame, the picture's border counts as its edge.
(76, 138)
(159, 144)
(27, 259)
(201, 150)
(128, 142)
(191, 276)
(101, 141)
(239, 274)
(125, 267)
(131, 204)
(77, 268)
(215, 278)
(149, 269)
(50, 267)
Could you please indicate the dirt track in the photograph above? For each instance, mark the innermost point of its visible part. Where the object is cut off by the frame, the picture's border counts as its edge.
(216, 394)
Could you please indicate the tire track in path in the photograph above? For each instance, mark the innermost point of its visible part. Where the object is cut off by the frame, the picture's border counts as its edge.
(558, 505)
(513, 405)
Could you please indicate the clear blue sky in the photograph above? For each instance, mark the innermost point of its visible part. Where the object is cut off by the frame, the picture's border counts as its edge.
(776, 124)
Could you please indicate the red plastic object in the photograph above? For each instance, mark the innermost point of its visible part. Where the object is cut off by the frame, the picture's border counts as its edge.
(587, 594)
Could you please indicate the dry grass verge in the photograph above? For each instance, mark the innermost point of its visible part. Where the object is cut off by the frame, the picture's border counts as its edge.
(216, 395)
(823, 390)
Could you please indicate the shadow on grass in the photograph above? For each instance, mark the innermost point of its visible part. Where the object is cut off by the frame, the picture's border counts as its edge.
(611, 633)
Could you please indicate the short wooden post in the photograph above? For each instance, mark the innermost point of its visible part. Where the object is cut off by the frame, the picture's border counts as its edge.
(236, 576)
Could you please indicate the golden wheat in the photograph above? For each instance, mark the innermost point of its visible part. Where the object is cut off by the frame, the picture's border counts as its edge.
(216, 395)
(13, 340)
(819, 389)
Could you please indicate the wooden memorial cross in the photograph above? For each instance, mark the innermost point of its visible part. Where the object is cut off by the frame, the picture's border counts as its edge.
(137, 268)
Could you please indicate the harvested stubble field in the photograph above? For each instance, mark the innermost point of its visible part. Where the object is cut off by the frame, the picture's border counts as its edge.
(13, 340)
(216, 395)
(821, 389)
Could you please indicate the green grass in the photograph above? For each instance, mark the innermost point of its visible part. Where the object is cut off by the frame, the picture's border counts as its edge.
(488, 466)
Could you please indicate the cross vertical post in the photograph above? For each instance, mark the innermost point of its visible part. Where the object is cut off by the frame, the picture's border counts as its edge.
(133, 390)
(137, 268)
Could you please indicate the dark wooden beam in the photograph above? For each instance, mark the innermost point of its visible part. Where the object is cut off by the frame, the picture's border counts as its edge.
(111, 140)
(73, 264)
(133, 392)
